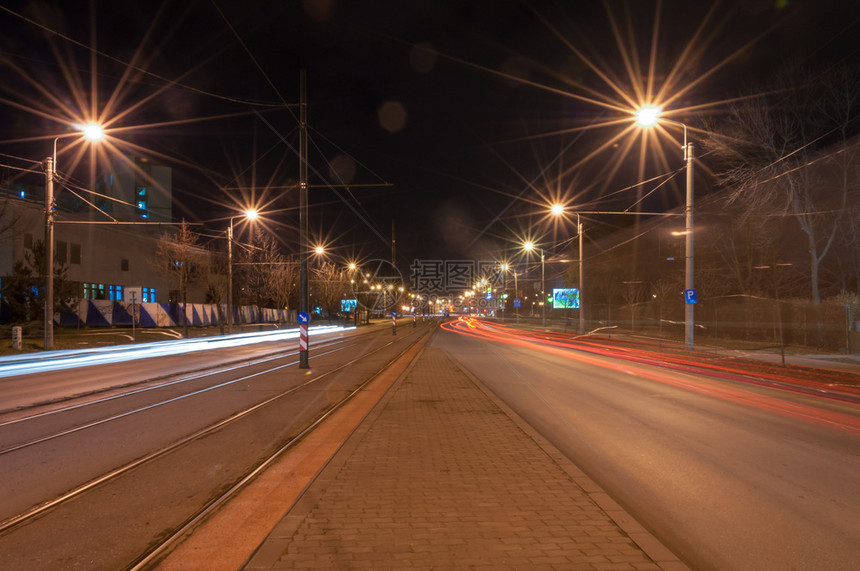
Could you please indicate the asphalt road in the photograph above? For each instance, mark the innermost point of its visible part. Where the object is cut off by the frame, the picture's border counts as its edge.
(728, 475)
(147, 456)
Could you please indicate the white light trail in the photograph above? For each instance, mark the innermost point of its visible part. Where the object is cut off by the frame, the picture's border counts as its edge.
(57, 360)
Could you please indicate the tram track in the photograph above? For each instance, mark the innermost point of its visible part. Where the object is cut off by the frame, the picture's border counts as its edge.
(138, 410)
(303, 416)
(156, 380)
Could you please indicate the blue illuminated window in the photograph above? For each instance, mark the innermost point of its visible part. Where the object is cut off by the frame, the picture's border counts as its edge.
(148, 294)
(115, 292)
(142, 202)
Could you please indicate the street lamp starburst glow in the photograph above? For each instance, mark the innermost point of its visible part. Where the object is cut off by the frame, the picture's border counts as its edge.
(93, 132)
(648, 115)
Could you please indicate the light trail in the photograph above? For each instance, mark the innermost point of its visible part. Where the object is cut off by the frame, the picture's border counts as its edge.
(640, 364)
(61, 360)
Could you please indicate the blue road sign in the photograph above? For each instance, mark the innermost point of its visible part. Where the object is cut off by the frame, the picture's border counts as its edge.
(393, 314)
(690, 296)
(517, 302)
(303, 318)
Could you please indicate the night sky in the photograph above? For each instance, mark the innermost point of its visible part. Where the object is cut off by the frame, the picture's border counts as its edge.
(461, 121)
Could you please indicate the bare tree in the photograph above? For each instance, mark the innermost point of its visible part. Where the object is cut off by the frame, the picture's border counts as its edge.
(330, 284)
(774, 155)
(284, 282)
(269, 278)
(179, 259)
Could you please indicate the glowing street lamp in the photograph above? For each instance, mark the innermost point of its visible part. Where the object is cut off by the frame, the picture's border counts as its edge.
(249, 214)
(92, 133)
(648, 117)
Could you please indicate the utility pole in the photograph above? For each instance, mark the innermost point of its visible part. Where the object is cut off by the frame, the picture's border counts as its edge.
(581, 280)
(49, 251)
(303, 212)
(689, 320)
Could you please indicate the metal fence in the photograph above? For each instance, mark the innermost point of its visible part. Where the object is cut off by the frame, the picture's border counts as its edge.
(832, 325)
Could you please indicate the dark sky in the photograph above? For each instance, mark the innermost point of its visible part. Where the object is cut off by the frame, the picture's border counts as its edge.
(467, 108)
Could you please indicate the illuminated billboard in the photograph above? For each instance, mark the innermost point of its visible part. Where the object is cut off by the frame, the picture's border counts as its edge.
(565, 298)
(348, 305)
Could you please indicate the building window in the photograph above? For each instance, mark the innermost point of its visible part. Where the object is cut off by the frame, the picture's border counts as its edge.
(142, 201)
(123, 265)
(62, 252)
(148, 294)
(75, 251)
(28, 241)
(94, 291)
(115, 292)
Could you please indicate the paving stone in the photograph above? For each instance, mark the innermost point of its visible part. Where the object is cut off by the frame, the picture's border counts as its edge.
(439, 476)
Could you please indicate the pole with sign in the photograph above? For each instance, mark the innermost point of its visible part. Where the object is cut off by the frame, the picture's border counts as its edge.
(394, 323)
(303, 319)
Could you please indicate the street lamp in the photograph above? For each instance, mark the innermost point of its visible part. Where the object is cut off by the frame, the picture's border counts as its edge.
(249, 214)
(505, 268)
(558, 210)
(528, 247)
(92, 133)
(647, 117)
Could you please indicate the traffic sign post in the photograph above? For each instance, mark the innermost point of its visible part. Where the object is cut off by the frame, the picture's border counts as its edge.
(394, 323)
(303, 319)
(690, 296)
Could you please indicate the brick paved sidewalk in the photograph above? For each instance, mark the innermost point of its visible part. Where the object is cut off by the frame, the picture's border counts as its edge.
(440, 476)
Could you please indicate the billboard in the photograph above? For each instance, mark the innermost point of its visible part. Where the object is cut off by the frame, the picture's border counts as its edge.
(565, 298)
(348, 305)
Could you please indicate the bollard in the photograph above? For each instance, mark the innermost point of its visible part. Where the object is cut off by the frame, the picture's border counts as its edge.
(16, 338)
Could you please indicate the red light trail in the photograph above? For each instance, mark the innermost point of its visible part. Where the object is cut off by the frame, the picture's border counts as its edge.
(638, 359)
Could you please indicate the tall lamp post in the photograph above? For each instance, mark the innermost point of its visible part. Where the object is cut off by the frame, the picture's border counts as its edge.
(528, 247)
(505, 268)
(648, 117)
(92, 133)
(558, 210)
(249, 214)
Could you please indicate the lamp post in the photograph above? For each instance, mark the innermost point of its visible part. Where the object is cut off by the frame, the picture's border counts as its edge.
(505, 268)
(528, 247)
(647, 117)
(92, 133)
(581, 278)
(250, 214)
(558, 210)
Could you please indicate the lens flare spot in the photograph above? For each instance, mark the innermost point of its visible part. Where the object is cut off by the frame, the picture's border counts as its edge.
(342, 169)
(392, 116)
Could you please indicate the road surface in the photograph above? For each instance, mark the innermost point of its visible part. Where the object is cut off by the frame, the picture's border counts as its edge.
(729, 475)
